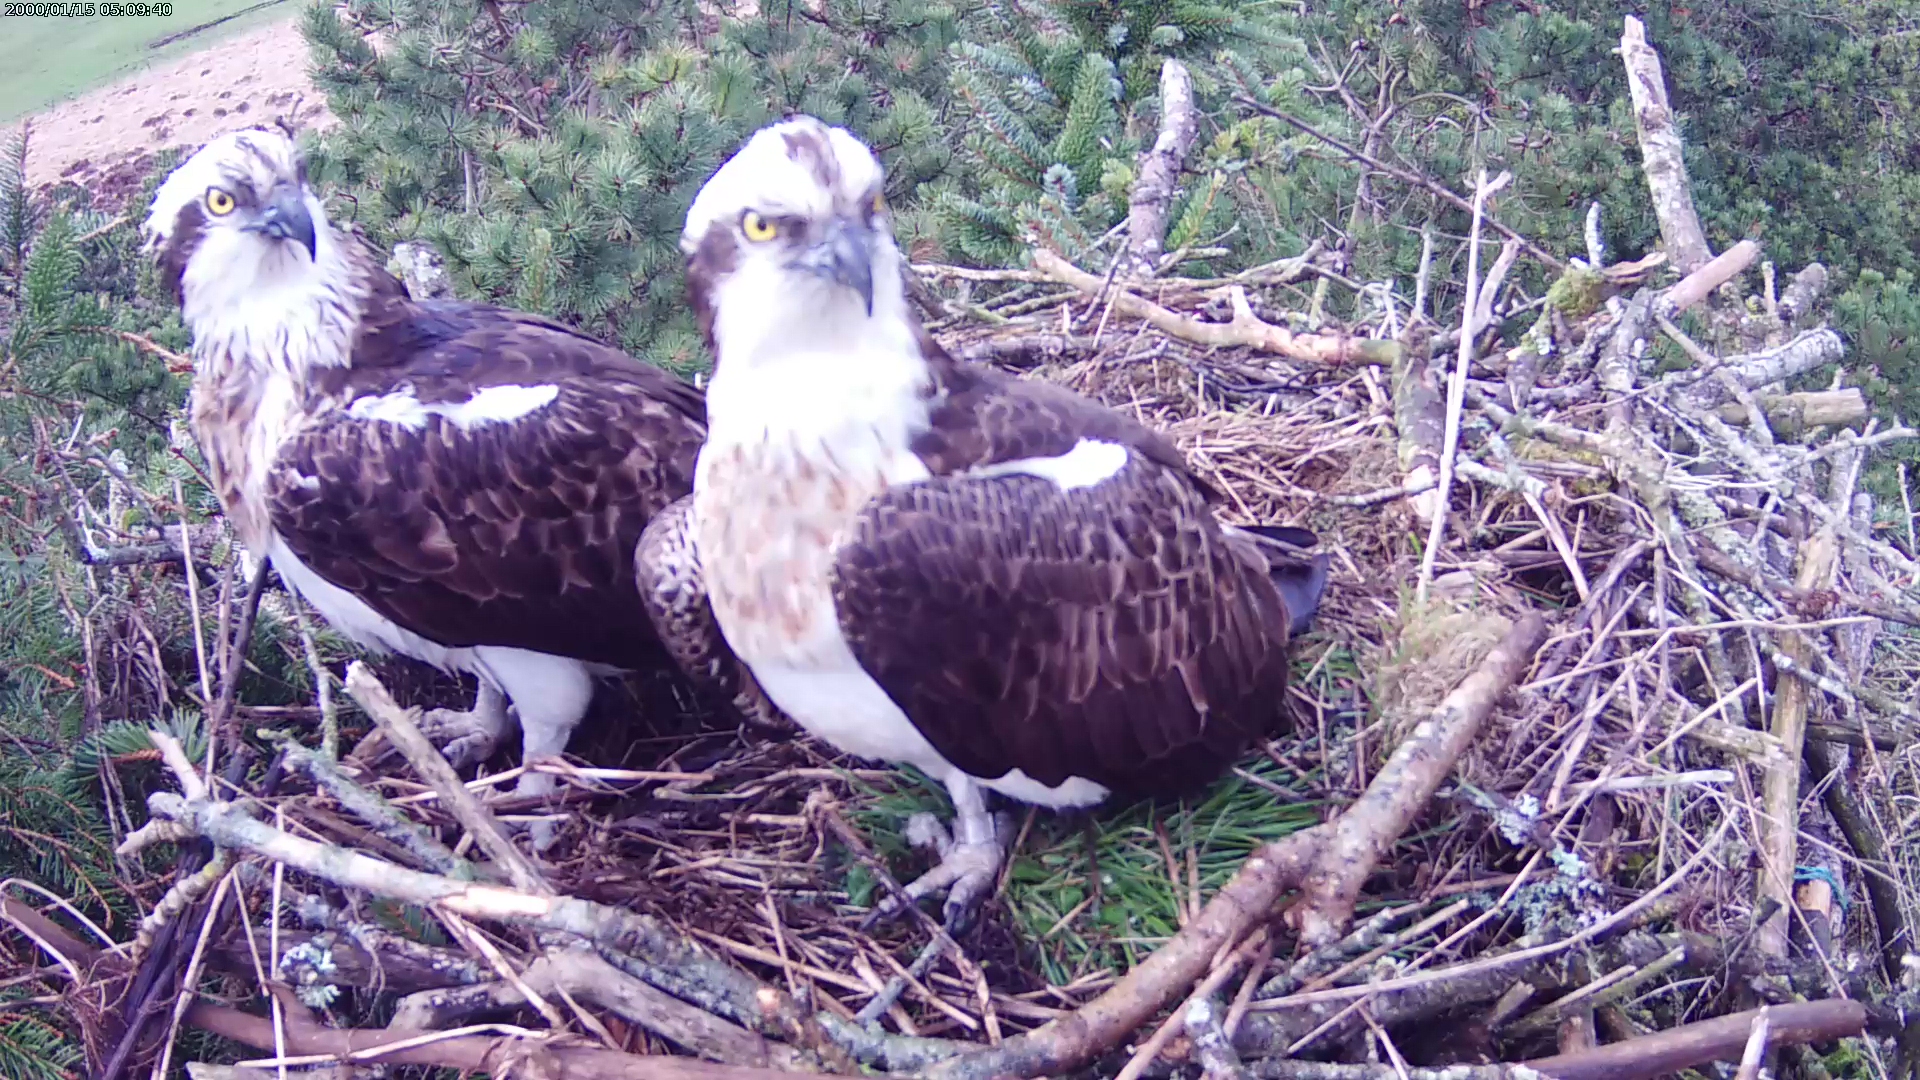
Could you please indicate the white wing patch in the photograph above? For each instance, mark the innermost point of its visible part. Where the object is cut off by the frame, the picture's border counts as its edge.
(1090, 462)
(488, 405)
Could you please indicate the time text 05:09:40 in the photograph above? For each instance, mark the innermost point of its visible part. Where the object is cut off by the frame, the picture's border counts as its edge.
(112, 10)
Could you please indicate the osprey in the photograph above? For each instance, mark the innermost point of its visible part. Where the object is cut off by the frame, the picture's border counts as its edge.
(997, 581)
(455, 482)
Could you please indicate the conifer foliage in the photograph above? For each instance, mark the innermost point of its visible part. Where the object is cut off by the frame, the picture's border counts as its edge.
(1062, 95)
(551, 150)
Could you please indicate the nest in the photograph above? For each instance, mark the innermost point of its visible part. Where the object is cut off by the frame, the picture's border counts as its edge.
(1593, 764)
(1584, 779)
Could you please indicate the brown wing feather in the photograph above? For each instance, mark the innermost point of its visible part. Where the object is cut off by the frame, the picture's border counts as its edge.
(983, 415)
(519, 533)
(1113, 633)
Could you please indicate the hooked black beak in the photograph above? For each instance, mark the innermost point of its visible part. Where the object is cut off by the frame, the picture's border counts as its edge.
(286, 218)
(845, 257)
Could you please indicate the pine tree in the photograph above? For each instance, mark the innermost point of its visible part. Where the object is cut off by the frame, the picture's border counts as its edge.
(551, 150)
(1062, 95)
(69, 275)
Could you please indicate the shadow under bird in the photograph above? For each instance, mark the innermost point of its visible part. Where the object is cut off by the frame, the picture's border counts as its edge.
(454, 482)
(995, 580)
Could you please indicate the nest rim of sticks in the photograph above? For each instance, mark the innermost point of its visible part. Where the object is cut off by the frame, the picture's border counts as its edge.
(1555, 782)
(1509, 856)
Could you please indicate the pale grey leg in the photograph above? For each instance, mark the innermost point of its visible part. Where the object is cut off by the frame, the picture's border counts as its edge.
(970, 859)
(550, 694)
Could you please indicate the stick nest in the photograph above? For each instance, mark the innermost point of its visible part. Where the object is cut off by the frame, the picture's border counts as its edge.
(1600, 763)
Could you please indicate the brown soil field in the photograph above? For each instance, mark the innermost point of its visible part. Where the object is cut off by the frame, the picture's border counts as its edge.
(106, 138)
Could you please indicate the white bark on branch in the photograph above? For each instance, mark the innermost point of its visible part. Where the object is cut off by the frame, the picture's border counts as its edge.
(1699, 284)
(1159, 178)
(1796, 357)
(1660, 151)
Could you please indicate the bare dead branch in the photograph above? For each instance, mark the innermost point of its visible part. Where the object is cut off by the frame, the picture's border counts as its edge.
(1660, 151)
(1356, 842)
(1699, 284)
(1153, 191)
(1245, 329)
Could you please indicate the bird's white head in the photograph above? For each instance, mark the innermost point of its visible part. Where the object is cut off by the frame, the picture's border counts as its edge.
(244, 243)
(790, 251)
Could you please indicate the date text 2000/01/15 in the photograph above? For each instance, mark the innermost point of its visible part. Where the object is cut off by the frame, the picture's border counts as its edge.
(138, 10)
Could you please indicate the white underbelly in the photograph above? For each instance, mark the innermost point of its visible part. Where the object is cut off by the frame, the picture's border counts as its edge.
(772, 596)
(352, 617)
(843, 705)
(769, 579)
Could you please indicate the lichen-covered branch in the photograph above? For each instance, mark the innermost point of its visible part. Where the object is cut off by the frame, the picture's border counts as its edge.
(1810, 350)
(379, 814)
(1661, 151)
(1358, 839)
(1159, 178)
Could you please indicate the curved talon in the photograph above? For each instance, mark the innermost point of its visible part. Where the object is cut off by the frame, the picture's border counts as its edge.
(467, 737)
(970, 861)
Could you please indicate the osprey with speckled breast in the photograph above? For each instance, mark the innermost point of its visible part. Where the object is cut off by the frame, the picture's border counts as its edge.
(455, 482)
(995, 580)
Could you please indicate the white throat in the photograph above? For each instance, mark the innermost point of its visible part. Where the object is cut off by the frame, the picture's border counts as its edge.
(267, 305)
(806, 370)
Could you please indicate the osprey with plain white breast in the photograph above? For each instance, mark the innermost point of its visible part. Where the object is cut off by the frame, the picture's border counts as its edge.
(455, 482)
(998, 581)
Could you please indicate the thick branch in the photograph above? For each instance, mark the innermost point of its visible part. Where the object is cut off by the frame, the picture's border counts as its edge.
(1792, 414)
(1371, 826)
(1072, 1041)
(1780, 792)
(1160, 171)
(1796, 357)
(1660, 151)
(1716, 272)
(1420, 417)
(563, 1058)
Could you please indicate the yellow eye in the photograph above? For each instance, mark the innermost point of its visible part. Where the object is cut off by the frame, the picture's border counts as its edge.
(219, 203)
(757, 228)
(879, 205)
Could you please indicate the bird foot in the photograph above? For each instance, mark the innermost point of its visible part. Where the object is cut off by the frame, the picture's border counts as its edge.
(967, 870)
(466, 737)
(541, 834)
